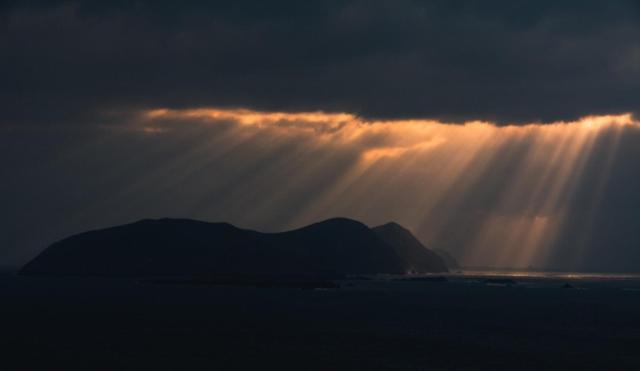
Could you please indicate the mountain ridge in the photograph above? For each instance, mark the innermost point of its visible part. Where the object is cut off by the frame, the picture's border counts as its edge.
(187, 247)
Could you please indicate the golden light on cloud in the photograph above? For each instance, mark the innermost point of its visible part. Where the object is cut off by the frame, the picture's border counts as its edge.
(413, 171)
(249, 117)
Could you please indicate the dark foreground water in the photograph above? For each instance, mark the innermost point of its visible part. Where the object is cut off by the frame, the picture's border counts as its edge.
(469, 322)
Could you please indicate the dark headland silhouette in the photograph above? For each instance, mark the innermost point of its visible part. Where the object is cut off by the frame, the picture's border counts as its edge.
(190, 248)
(415, 256)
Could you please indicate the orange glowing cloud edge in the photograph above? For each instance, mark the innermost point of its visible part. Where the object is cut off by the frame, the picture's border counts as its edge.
(375, 138)
(253, 117)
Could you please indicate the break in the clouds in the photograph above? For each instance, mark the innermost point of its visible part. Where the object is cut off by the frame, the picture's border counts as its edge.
(77, 62)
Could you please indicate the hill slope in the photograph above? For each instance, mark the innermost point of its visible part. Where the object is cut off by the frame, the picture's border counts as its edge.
(448, 259)
(415, 256)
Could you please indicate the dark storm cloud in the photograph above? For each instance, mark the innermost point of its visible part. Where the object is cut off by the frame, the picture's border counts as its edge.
(72, 62)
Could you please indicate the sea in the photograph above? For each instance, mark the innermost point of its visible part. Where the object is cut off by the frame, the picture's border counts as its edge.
(467, 320)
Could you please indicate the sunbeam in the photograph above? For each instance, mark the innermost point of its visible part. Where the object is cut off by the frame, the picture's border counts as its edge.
(495, 195)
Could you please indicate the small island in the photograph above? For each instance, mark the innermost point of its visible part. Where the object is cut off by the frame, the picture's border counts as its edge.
(196, 250)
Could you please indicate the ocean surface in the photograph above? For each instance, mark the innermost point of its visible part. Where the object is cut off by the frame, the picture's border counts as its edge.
(475, 320)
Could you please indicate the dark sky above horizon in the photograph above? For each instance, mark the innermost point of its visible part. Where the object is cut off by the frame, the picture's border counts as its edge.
(502, 131)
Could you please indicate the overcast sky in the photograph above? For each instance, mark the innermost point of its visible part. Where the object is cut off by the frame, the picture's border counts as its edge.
(506, 61)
